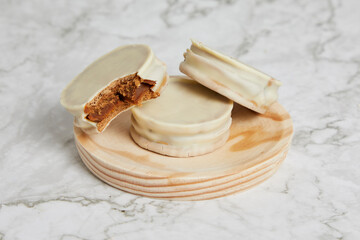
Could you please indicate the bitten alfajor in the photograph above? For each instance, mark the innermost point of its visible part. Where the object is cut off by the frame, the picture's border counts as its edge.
(229, 77)
(121, 79)
(187, 120)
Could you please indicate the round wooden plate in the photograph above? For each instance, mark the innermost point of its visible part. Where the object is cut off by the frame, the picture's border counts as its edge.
(256, 147)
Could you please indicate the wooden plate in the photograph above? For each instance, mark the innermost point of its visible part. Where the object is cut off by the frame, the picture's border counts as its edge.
(254, 151)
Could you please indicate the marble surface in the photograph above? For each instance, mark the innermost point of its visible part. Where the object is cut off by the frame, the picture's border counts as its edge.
(311, 46)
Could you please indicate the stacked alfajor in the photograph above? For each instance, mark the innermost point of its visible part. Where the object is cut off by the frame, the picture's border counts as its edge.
(187, 120)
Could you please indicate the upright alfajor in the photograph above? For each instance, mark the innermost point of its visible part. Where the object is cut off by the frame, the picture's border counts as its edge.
(119, 80)
(187, 120)
(229, 77)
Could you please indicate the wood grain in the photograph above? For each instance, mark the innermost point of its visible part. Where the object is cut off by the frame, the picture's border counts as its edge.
(256, 147)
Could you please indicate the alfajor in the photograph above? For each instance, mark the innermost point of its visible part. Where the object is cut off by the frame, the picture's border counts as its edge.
(229, 77)
(119, 80)
(187, 120)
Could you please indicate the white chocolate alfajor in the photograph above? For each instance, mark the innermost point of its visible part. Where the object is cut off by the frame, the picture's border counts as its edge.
(119, 80)
(187, 120)
(229, 77)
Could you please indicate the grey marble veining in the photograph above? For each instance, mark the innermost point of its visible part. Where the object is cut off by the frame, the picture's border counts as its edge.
(311, 46)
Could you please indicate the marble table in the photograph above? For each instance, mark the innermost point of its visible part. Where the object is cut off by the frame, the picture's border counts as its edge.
(46, 192)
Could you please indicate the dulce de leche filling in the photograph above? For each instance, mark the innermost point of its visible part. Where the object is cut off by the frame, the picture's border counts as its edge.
(117, 97)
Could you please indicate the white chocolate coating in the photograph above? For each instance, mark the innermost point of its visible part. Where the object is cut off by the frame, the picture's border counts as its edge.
(180, 140)
(187, 120)
(120, 62)
(229, 77)
(191, 150)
